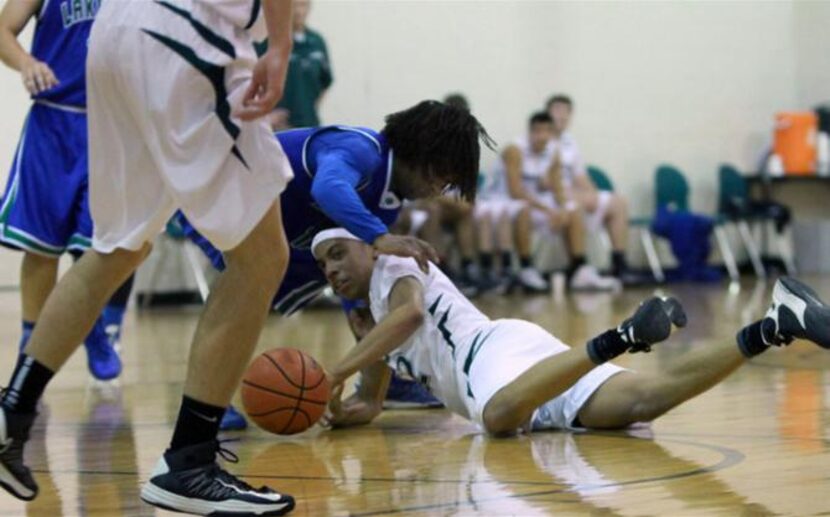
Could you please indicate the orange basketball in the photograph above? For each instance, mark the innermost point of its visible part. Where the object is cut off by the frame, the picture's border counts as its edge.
(285, 391)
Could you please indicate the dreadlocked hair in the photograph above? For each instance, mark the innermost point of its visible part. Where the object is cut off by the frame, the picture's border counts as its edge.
(441, 139)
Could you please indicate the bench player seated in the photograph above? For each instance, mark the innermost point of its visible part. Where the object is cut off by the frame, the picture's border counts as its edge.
(510, 374)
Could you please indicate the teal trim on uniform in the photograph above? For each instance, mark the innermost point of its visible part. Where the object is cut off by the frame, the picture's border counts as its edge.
(8, 203)
(80, 242)
(254, 14)
(214, 73)
(208, 35)
(19, 239)
(468, 363)
(235, 151)
(434, 306)
(445, 332)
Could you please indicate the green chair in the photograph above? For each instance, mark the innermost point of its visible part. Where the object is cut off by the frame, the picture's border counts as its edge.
(643, 224)
(672, 191)
(735, 205)
(600, 179)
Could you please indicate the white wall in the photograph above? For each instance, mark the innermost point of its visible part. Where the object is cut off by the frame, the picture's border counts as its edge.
(692, 83)
(813, 48)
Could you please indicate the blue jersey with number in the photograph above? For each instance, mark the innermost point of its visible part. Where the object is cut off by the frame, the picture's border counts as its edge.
(60, 40)
(362, 149)
(363, 159)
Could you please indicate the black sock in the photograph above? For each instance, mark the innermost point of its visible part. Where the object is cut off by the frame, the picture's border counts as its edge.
(751, 340)
(576, 262)
(486, 260)
(197, 423)
(607, 346)
(27, 383)
(122, 295)
(506, 260)
(524, 262)
(618, 263)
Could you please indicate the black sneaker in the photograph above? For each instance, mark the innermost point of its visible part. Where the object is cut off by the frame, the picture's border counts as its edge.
(190, 480)
(15, 477)
(652, 323)
(796, 313)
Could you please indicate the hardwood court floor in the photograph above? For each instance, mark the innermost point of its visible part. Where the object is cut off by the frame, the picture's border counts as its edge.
(755, 445)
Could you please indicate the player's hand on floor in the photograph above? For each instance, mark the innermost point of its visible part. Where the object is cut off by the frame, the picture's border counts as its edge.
(350, 412)
(37, 76)
(407, 246)
(266, 87)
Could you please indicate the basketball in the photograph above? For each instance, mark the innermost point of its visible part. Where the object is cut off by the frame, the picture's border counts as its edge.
(285, 391)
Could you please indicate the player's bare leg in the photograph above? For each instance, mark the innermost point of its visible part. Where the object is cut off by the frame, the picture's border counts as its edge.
(38, 275)
(796, 312)
(512, 406)
(77, 301)
(236, 310)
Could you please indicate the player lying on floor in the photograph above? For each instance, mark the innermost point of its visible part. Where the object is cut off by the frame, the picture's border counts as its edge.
(510, 374)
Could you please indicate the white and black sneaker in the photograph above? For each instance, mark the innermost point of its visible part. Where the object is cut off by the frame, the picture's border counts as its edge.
(190, 480)
(796, 313)
(15, 476)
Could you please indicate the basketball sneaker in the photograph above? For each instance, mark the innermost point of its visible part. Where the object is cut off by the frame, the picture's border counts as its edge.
(652, 323)
(190, 480)
(102, 359)
(406, 394)
(796, 312)
(532, 281)
(15, 476)
(233, 420)
(587, 278)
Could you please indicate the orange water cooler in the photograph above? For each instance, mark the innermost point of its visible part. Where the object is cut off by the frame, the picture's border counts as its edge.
(795, 141)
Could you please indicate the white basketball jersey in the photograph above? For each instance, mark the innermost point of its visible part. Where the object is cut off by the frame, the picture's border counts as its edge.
(570, 158)
(436, 353)
(534, 168)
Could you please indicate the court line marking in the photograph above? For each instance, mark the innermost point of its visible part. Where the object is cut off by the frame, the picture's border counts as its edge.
(730, 458)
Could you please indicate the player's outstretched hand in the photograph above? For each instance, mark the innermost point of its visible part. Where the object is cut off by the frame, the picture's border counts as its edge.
(37, 76)
(266, 87)
(407, 246)
(349, 412)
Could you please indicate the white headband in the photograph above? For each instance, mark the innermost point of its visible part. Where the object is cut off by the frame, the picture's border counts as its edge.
(327, 235)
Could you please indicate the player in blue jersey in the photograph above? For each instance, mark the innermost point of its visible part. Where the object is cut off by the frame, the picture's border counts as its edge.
(44, 209)
(357, 178)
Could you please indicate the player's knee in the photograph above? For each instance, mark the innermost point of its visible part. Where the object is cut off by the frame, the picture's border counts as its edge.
(39, 261)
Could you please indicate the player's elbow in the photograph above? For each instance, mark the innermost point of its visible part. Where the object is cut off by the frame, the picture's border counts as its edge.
(319, 190)
(415, 315)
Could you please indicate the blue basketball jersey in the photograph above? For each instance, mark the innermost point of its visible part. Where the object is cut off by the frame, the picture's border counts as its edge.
(302, 217)
(60, 40)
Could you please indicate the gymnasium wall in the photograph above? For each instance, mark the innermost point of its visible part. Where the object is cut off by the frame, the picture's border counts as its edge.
(691, 83)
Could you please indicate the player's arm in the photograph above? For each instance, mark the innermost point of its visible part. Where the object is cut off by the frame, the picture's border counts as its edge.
(554, 179)
(512, 157)
(36, 75)
(406, 315)
(334, 188)
(366, 404)
(268, 80)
